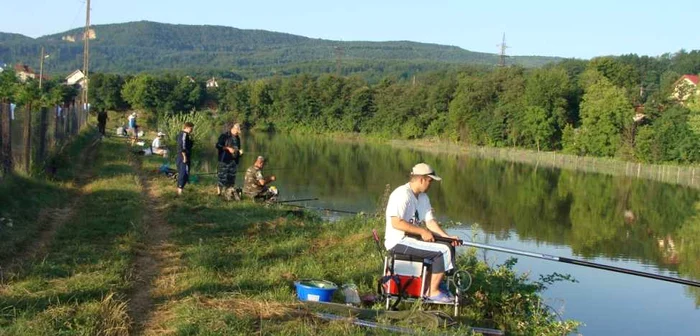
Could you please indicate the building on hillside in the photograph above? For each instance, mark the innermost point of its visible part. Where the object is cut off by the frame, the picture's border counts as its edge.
(190, 79)
(685, 87)
(639, 114)
(77, 77)
(3, 66)
(24, 72)
(212, 83)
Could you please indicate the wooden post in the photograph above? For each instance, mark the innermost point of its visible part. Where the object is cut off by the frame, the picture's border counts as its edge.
(639, 169)
(27, 137)
(5, 132)
(43, 127)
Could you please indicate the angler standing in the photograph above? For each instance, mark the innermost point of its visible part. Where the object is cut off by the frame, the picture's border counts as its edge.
(184, 156)
(229, 154)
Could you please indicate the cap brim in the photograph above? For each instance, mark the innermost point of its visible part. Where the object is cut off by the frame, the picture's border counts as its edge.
(435, 177)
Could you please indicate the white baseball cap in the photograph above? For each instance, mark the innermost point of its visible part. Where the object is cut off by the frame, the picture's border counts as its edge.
(424, 169)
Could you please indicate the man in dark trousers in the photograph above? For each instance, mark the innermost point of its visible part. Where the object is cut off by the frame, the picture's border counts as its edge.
(184, 156)
(229, 148)
(102, 121)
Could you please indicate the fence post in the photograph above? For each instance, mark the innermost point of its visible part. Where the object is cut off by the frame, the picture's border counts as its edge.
(28, 137)
(43, 127)
(6, 132)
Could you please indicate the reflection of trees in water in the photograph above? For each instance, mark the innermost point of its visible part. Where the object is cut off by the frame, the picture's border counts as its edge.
(688, 250)
(589, 212)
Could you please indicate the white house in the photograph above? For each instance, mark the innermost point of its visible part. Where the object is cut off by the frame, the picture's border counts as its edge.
(24, 72)
(685, 87)
(212, 83)
(76, 77)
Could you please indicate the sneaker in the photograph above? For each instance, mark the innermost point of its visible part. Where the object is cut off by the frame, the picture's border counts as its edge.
(441, 298)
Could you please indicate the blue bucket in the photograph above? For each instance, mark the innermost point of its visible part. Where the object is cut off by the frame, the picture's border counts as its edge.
(315, 290)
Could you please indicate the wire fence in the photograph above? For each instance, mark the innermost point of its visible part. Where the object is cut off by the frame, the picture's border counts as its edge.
(686, 175)
(30, 136)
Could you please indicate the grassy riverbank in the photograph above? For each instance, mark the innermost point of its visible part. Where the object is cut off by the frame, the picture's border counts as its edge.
(129, 257)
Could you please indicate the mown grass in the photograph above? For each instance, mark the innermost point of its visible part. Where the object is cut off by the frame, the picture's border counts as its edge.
(77, 287)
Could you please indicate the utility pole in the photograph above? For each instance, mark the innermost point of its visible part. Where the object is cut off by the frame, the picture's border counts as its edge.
(41, 67)
(339, 52)
(86, 53)
(502, 57)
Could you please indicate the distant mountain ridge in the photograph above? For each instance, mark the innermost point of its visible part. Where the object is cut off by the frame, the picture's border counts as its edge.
(149, 46)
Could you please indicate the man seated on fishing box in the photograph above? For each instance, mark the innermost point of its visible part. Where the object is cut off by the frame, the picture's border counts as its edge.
(408, 206)
(158, 147)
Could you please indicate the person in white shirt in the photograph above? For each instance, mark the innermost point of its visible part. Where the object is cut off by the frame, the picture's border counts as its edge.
(408, 206)
(157, 146)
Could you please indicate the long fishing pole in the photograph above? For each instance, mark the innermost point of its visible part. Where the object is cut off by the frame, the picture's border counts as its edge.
(396, 329)
(572, 261)
(243, 171)
(323, 209)
(298, 200)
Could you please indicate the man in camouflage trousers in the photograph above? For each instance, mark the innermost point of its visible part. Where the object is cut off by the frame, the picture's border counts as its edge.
(229, 151)
(256, 185)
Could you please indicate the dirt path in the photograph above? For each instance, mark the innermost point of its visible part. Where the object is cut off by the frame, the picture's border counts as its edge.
(56, 218)
(154, 260)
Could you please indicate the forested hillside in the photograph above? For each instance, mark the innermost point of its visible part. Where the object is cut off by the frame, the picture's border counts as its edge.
(229, 52)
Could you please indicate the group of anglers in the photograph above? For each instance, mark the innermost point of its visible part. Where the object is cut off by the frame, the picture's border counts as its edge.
(229, 152)
(411, 225)
(407, 208)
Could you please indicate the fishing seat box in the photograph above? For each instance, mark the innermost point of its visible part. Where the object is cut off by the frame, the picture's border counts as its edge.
(408, 275)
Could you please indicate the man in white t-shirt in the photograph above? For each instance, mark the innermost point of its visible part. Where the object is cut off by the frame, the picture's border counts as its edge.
(408, 206)
(157, 146)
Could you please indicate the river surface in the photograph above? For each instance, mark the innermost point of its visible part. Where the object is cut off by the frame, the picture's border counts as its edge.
(619, 221)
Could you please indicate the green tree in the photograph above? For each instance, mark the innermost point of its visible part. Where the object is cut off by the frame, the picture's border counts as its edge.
(545, 97)
(605, 112)
(145, 92)
(539, 125)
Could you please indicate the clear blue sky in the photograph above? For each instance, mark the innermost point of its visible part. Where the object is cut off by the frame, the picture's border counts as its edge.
(581, 29)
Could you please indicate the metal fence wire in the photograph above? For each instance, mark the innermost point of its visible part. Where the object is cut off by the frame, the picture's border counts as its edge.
(29, 135)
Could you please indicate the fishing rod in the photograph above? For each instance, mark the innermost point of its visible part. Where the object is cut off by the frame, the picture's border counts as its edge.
(298, 200)
(243, 171)
(323, 209)
(570, 261)
(402, 330)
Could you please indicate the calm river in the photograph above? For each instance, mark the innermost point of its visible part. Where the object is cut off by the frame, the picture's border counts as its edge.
(636, 224)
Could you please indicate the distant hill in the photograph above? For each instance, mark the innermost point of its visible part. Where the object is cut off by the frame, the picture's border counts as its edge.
(149, 46)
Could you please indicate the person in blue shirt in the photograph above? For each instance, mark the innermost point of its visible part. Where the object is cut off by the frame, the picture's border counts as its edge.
(184, 156)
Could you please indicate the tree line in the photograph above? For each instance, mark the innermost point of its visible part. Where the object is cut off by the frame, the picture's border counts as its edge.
(574, 106)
